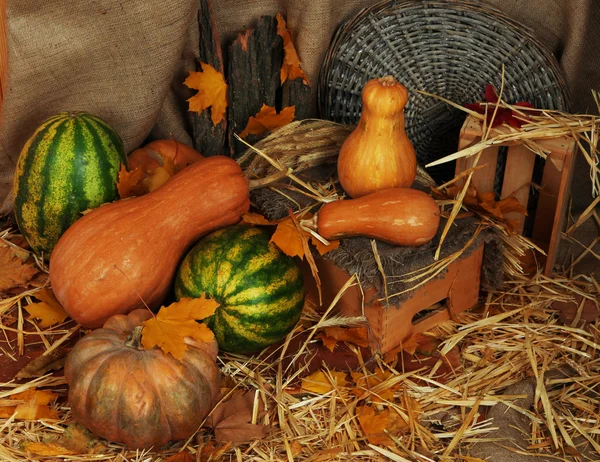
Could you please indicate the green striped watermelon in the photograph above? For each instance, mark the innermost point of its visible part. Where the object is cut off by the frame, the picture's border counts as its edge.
(70, 164)
(260, 289)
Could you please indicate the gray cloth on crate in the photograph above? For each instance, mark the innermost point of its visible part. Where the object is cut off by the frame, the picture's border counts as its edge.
(355, 255)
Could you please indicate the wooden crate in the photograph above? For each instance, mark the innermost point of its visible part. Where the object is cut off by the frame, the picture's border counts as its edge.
(556, 182)
(429, 305)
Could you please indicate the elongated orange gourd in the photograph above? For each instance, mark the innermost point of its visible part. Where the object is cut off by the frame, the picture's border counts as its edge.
(378, 154)
(399, 216)
(124, 254)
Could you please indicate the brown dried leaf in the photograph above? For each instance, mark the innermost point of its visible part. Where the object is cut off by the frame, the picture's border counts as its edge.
(13, 272)
(290, 69)
(213, 452)
(267, 119)
(257, 219)
(79, 439)
(183, 456)
(212, 92)
(355, 335)
(128, 183)
(47, 449)
(42, 364)
(231, 419)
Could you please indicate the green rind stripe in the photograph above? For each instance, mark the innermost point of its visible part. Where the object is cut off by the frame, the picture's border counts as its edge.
(260, 290)
(69, 164)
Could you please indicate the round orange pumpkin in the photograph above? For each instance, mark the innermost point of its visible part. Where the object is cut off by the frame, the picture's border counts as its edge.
(152, 155)
(378, 154)
(142, 398)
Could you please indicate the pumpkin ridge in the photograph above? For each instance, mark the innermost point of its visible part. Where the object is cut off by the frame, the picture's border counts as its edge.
(146, 356)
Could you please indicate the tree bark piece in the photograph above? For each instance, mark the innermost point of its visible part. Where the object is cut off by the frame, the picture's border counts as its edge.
(255, 60)
(209, 139)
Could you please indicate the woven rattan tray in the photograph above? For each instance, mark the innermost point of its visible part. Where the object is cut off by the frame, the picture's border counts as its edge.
(450, 48)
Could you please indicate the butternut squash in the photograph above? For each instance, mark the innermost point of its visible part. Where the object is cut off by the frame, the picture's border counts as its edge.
(399, 216)
(378, 154)
(124, 254)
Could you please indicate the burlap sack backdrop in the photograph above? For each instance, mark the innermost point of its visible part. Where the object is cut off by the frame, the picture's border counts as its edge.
(126, 61)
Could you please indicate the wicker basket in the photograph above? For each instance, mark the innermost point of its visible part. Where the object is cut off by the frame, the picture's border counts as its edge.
(450, 48)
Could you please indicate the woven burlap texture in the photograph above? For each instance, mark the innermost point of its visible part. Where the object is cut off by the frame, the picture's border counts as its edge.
(113, 58)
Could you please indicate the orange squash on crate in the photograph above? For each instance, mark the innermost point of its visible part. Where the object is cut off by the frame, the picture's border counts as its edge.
(378, 154)
(399, 216)
(124, 254)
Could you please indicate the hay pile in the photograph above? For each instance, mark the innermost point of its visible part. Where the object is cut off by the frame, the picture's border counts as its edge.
(527, 355)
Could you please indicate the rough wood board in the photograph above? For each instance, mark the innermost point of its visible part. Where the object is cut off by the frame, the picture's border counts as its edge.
(255, 59)
(209, 139)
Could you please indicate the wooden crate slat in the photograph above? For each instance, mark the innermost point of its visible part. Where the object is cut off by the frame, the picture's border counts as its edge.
(517, 179)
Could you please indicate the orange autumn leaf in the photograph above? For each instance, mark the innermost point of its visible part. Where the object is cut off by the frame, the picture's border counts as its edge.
(47, 449)
(212, 92)
(323, 248)
(321, 383)
(13, 271)
(183, 456)
(267, 119)
(290, 69)
(355, 335)
(34, 405)
(49, 311)
(370, 386)
(173, 323)
(128, 182)
(288, 238)
(375, 424)
(256, 219)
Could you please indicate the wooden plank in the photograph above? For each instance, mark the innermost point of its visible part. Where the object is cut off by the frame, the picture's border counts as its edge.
(561, 206)
(209, 139)
(483, 179)
(552, 202)
(255, 59)
(3, 54)
(517, 179)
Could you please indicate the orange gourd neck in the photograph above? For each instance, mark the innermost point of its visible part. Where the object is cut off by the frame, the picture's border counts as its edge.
(378, 154)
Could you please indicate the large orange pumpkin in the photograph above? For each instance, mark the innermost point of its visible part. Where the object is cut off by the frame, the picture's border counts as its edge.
(142, 398)
(378, 153)
(124, 254)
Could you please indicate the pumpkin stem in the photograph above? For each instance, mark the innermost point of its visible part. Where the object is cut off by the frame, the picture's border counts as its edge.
(388, 81)
(135, 338)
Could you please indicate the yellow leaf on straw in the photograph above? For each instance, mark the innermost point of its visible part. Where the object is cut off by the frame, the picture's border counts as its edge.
(319, 382)
(48, 311)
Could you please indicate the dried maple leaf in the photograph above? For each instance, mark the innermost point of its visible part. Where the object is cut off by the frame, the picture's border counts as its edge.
(13, 271)
(355, 335)
(267, 119)
(47, 449)
(177, 321)
(288, 238)
(79, 439)
(232, 419)
(366, 386)
(323, 248)
(213, 452)
(212, 92)
(42, 364)
(321, 383)
(257, 219)
(128, 182)
(375, 424)
(48, 311)
(290, 69)
(183, 456)
(34, 407)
